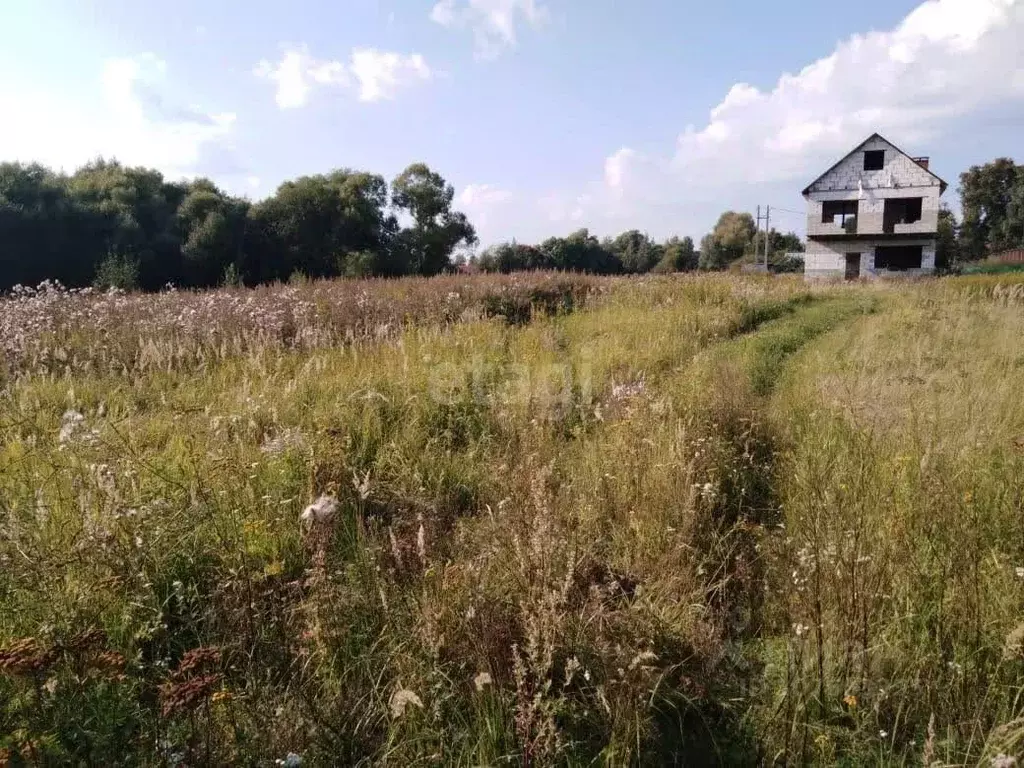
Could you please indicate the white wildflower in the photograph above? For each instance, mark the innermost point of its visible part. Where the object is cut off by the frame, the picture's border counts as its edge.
(1019, 570)
(800, 629)
(69, 425)
(883, 734)
(482, 680)
(322, 510)
(1004, 761)
(291, 760)
(401, 699)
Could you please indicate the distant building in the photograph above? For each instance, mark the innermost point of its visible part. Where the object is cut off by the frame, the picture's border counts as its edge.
(875, 213)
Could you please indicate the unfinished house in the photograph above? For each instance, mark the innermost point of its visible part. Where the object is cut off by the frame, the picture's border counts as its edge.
(875, 213)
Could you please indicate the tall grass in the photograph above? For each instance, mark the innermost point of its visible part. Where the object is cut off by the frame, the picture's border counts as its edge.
(671, 520)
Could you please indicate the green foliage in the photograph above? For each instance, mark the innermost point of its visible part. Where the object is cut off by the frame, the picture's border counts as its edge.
(731, 237)
(677, 256)
(992, 200)
(513, 257)
(426, 247)
(62, 227)
(948, 245)
(635, 251)
(119, 271)
(580, 252)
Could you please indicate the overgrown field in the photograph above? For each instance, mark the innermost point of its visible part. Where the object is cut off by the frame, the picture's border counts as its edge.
(542, 520)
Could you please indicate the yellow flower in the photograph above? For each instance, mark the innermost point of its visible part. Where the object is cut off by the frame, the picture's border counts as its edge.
(850, 700)
(273, 569)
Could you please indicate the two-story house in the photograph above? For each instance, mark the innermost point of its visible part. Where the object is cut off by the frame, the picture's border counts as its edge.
(875, 213)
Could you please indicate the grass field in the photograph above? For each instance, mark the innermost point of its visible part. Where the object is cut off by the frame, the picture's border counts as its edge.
(533, 520)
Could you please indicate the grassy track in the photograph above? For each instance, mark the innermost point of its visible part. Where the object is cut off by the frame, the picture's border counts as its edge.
(690, 521)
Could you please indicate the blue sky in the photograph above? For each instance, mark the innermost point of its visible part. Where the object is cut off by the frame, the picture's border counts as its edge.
(546, 115)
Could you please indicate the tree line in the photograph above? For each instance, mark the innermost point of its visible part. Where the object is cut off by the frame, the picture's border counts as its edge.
(108, 224)
(730, 242)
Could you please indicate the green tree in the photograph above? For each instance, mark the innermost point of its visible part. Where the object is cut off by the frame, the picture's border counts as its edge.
(212, 228)
(426, 247)
(728, 241)
(677, 256)
(580, 252)
(315, 225)
(992, 221)
(44, 233)
(635, 251)
(131, 212)
(947, 250)
(512, 257)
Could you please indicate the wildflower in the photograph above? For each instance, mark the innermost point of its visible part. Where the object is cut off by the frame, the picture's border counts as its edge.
(1019, 570)
(482, 680)
(1014, 644)
(850, 700)
(800, 629)
(69, 425)
(291, 760)
(1004, 761)
(707, 492)
(883, 734)
(401, 699)
(320, 511)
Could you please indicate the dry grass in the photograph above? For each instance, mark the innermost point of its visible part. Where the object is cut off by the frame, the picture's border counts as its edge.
(662, 520)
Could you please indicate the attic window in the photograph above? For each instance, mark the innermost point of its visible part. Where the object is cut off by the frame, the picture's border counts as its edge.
(874, 160)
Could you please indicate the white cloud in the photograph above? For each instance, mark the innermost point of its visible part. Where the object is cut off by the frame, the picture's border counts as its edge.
(377, 75)
(129, 117)
(381, 74)
(481, 195)
(492, 22)
(946, 63)
(489, 208)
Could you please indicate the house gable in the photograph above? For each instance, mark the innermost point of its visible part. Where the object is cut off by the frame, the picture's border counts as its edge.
(898, 170)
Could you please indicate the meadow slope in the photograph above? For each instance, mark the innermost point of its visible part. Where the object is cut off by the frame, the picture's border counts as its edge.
(532, 520)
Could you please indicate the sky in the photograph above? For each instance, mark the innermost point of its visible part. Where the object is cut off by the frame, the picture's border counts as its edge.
(545, 115)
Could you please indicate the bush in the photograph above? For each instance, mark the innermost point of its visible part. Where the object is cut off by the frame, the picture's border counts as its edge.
(118, 271)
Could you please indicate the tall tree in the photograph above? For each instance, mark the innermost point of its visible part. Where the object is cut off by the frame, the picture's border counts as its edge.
(635, 251)
(133, 216)
(728, 241)
(989, 223)
(436, 231)
(212, 227)
(678, 256)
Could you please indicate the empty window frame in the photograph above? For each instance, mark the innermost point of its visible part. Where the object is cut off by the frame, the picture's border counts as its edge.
(901, 210)
(874, 160)
(841, 212)
(897, 258)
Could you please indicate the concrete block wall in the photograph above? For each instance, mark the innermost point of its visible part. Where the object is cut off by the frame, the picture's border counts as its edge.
(828, 259)
(900, 177)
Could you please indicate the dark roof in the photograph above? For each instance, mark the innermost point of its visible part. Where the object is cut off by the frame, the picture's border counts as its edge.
(942, 183)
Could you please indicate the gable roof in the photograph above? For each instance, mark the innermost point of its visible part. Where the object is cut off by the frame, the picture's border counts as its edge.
(943, 185)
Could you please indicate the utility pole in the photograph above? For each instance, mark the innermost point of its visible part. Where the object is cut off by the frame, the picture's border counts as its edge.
(757, 234)
(767, 230)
